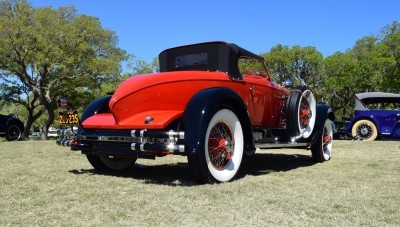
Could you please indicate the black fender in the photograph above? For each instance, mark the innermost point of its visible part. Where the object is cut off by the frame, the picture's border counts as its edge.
(99, 105)
(198, 113)
(323, 112)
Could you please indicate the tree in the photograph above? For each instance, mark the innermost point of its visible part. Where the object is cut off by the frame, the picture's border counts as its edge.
(46, 53)
(389, 58)
(340, 69)
(140, 66)
(373, 64)
(287, 62)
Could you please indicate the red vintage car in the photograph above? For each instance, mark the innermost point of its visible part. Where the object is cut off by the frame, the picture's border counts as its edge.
(212, 102)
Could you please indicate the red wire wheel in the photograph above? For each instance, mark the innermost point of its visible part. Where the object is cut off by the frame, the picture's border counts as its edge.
(301, 113)
(224, 145)
(305, 113)
(220, 145)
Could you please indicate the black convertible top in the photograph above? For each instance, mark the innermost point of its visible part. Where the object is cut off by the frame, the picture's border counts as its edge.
(210, 56)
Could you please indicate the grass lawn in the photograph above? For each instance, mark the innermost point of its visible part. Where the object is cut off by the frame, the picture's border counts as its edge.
(44, 184)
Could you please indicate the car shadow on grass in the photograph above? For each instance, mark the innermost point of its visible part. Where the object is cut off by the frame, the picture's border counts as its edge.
(261, 164)
(179, 174)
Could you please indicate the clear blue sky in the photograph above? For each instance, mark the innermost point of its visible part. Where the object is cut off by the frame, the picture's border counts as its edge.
(147, 27)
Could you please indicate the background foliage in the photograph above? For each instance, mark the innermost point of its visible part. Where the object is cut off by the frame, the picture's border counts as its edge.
(373, 64)
(48, 53)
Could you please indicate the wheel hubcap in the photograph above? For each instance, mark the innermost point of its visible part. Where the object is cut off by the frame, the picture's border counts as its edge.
(364, 131)
(305, 113)
(220, 145)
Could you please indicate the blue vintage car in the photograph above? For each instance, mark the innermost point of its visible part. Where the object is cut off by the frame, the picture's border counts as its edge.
(377, 114)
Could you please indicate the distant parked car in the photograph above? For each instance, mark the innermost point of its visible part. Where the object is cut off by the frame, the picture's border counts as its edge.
(11, 127)
(52, 132)
(376, 114)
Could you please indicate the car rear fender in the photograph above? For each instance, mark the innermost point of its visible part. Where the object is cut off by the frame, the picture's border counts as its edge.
(199, 110)
(323, 112)
(99, 105)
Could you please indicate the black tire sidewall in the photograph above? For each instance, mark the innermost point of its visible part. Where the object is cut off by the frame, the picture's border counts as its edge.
(96, 162)
(292, 111)
(9, 127)
(317, 150)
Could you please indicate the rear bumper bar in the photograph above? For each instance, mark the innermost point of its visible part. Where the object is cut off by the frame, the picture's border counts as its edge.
(128, 142)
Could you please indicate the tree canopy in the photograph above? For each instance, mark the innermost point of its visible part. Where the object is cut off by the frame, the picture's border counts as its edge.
(372, 64)
(46, 53)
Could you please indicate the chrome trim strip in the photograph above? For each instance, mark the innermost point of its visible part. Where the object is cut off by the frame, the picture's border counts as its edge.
(280, 145)
(109, 138)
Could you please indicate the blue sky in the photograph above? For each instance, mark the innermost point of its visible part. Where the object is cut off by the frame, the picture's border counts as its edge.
(147, 27)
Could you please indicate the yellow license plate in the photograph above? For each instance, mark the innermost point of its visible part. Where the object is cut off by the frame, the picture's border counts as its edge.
(68, 118)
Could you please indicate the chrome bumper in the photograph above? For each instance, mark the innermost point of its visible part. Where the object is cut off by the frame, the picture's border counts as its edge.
(144, 141)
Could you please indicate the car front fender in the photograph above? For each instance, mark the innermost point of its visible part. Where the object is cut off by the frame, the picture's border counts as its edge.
(323, 112)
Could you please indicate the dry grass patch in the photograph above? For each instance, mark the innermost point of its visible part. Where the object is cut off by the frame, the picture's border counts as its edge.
(43, 184)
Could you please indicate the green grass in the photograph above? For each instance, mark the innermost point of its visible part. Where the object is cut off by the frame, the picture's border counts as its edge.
(43, 184)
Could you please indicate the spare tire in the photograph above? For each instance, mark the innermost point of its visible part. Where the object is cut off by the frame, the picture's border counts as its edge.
(300, 113)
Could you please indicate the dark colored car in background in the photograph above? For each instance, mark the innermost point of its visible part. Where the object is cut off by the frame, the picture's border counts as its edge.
(11, 127)
(376, 114)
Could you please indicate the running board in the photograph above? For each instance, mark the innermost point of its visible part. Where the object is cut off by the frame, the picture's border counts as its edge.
(280, 145)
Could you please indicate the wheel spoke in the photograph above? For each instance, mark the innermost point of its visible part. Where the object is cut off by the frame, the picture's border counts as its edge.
(364, 131)
(305, 113)
(220, 145)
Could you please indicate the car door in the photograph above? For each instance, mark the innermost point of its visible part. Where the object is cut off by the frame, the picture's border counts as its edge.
(266, 101)
(266, 97)
(387, 119)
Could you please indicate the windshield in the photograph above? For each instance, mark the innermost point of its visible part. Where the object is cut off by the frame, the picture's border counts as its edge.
(252, 67)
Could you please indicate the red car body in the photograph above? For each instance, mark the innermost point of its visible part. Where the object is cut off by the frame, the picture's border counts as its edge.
(213, 102)
(165, 96)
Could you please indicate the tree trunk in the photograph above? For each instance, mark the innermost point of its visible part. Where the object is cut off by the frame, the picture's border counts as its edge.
(28, 127)
(48, 123)
(31, 119)
(47, 102)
